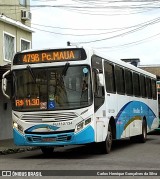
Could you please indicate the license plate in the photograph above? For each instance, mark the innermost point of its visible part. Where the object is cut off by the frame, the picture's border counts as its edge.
(49, 139)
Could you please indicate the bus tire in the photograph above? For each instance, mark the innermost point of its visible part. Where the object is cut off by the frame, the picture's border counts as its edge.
(143, 136)
(47, 150)
(107, 144)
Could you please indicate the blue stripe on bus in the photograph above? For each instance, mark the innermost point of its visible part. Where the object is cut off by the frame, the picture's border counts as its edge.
(50, 127)
(83, 137)
(134, 110)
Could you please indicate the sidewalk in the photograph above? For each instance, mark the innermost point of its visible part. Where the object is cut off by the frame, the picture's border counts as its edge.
(8, 147)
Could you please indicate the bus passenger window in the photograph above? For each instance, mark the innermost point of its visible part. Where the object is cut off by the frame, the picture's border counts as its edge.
(149, 89)
(136, 85)
(154, 90)
(109, 77)
(143, 86)
(119, 76)
(128, 82)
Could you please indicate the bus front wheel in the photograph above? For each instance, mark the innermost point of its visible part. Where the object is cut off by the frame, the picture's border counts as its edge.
(107, 144)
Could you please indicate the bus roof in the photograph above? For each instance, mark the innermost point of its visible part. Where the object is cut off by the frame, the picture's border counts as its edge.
(98, 53)
(122, 63)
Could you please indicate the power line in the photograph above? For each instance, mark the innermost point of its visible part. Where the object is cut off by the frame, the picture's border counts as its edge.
(110, 30)
(86, 7)
(131, 43)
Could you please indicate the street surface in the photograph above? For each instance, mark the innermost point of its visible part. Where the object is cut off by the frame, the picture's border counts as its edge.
(125, 155)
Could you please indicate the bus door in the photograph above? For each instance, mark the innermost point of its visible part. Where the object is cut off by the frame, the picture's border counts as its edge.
(99, 98)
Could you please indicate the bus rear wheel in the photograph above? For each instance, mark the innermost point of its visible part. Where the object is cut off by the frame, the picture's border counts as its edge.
(107, 144)
(47, 150)
(143, 136)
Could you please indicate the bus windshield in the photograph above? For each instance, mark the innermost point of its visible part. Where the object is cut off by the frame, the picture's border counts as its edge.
(55, 88)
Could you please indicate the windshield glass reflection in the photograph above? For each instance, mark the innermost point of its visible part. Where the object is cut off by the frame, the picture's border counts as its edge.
(52, 89)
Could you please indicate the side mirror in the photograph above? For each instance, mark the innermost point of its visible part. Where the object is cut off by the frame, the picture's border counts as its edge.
(100, 79)
(4, 83)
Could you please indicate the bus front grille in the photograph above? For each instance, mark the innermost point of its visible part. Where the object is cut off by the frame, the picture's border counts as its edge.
(48, 117)
(60, 138)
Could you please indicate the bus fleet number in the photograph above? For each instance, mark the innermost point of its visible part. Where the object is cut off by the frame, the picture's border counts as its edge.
(31, 58)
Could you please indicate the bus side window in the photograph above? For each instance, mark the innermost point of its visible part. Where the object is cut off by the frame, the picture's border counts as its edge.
(149, 87)
(136, 85)
(98, 92)
(128, 82)
(119, 78)
(109, 77)
(154, 90)
(143, 86)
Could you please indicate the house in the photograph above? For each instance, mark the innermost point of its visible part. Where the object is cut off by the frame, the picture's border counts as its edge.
(15, 35)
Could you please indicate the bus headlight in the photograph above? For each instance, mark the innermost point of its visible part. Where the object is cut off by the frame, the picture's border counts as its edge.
(18, 127)
(82, 124)
(79, 126)
(87, 121)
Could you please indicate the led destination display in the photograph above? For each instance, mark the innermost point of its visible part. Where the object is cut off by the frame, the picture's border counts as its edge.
(48, 56)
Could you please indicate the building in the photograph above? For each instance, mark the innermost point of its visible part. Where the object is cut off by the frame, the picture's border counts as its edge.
(155, 69)
(132, 61)
(15, 35)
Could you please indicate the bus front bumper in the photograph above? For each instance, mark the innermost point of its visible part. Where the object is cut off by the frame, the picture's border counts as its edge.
(83, 137)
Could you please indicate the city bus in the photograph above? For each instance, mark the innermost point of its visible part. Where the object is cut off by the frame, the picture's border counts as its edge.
(77, 96)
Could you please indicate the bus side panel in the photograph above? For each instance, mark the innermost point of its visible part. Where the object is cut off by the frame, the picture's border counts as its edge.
(151, 111)
(137, 111)
(124, 116)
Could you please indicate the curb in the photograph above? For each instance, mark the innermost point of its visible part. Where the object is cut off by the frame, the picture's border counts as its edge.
(16, 150)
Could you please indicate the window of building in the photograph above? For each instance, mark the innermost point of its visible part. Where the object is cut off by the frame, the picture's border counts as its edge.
(109, 77)
(128, 82)
(23, 2)
(9, 47)
(136, 84)
(25, 45)
(119, 76)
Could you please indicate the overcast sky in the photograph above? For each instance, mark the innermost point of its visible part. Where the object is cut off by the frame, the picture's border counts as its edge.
(121, 30)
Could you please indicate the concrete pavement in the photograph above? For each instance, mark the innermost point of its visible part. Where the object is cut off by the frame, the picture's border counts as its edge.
(7, 147)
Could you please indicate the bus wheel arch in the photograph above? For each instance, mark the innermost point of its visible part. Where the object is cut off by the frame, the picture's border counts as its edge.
(113, 127)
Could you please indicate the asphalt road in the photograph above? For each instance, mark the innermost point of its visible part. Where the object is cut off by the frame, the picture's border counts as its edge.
(125, 155)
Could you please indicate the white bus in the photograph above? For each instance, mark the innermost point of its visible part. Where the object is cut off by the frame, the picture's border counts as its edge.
(75, 96)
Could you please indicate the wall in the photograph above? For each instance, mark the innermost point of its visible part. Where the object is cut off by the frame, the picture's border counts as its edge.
(152, 69)
(5, 118)
(17, 33)
(12, 9)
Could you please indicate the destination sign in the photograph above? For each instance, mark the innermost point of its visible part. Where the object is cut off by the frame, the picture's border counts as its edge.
(48, 56)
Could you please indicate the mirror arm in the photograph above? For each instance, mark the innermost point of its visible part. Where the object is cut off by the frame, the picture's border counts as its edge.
(3, 84)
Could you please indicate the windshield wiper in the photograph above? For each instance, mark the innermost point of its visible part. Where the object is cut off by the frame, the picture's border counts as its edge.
(32, 74)
(64, 71)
